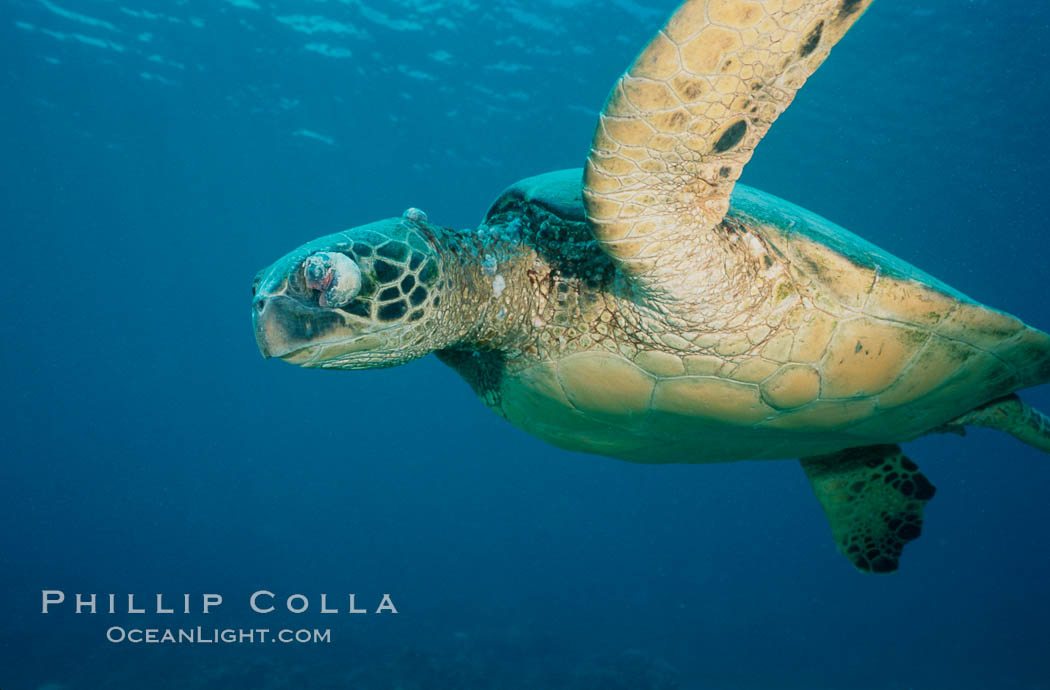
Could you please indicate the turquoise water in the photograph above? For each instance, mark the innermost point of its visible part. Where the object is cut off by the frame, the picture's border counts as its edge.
(157, 154)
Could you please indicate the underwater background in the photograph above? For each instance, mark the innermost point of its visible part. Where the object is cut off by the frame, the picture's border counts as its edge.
(156, 154)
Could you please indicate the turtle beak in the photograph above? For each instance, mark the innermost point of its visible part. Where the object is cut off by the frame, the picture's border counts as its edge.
(258, 309)
(286, 327)
(268, 324)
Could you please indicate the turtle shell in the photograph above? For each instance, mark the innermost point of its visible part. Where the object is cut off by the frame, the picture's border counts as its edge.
(879, 352)
(559, 193)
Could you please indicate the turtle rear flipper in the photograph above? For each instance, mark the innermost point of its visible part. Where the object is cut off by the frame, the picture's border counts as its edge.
(873, 497)
(1015, 417)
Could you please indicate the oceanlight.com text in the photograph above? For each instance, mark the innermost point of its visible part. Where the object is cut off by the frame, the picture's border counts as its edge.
(199, 635)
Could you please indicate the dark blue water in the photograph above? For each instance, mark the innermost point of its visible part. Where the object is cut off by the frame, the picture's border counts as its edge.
(156, 154)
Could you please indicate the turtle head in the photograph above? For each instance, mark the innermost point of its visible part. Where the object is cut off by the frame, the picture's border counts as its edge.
(365, 298)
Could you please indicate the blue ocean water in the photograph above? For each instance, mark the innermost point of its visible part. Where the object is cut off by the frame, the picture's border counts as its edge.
(157, 154)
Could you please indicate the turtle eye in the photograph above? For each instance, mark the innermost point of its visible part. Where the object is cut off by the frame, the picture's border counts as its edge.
(255, 283)
(335, 276)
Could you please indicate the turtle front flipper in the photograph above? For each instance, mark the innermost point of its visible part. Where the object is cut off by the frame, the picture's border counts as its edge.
(681, 123)
(873, 497)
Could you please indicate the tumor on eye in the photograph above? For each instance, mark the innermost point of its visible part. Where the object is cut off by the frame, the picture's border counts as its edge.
(334, 275)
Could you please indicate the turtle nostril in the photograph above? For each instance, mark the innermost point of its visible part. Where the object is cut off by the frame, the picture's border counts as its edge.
(259, 304)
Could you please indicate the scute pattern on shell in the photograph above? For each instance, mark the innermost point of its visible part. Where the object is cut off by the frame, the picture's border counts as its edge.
(681, 323)
(810, 364)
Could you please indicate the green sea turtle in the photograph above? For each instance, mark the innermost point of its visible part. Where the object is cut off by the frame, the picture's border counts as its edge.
(650, 309)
